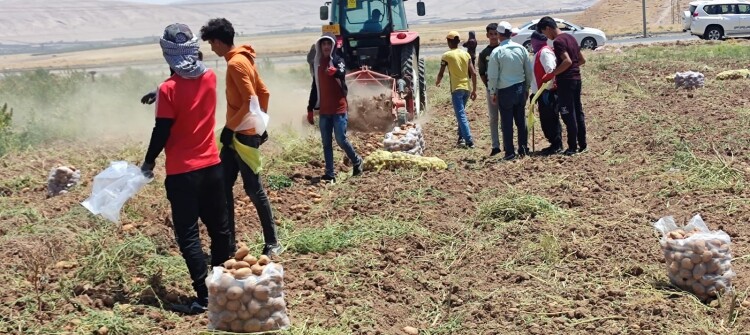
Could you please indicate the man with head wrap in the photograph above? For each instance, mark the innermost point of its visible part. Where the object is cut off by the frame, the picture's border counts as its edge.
(543, 63)
(185, 119)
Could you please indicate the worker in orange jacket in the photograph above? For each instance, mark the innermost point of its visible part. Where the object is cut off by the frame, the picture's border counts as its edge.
(240, 154)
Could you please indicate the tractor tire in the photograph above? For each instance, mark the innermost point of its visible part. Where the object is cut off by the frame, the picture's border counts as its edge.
(422, 86)
(409, 72)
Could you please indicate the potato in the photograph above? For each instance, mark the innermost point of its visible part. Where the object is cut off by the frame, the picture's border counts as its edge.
(257, 269)
(270, 324)
(264, 260)
(689, 284)
(235, 292)
(698, 271)
(252, 326)
(673, 267)
(261, 293)
(230, 263)
(228, 316)
(240, 265)
(707, 256)
(233, 305)
(685, 274)
(213, 288)
(250, 259)
(237, 326)
(221, 300)
(243, 273)
(696, 258)
(277, 304)
(226, 281)
(253, 307)
(241, 253)
(686, 263)
(222, 325)
(677, 256)
(713, 266)
(263, 314)
(707, 281)
(250, 287)
(275, 290)
(699, 246)
(243, 314)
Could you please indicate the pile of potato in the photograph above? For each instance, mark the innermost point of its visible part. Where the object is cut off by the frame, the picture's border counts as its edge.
(733, 74)
(380, 160)
(407, 138)
(371, 113)
(698, 260)
(689, 79)
(246, 295)
(61, 179)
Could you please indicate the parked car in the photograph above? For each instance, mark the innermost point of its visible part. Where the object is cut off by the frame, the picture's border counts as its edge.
(588, 38)
(716, 20)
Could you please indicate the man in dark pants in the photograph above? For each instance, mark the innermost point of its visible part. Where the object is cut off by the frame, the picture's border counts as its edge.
(510, 77)
(185, 119)
(240, 152)
(568, 77)
(544, 62)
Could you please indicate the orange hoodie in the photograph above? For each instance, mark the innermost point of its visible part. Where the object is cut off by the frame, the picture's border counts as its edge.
(243, 82)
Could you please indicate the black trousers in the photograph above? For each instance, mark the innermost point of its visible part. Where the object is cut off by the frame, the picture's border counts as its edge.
(193, 195)
(549, 118)
(571, 111)
(233, 165)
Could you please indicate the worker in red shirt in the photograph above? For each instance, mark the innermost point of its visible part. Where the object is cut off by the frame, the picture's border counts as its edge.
(185, 119)
(329, 97)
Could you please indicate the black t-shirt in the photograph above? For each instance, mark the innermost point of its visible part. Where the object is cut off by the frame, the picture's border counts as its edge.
(567, 43)
(484, 57)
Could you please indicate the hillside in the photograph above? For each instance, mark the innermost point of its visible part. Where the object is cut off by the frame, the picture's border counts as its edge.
(39, 21)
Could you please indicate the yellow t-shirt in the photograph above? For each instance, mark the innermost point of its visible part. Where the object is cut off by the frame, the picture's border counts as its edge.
(458, 68)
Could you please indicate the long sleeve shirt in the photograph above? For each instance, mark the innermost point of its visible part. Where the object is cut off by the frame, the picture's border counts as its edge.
(509, 65)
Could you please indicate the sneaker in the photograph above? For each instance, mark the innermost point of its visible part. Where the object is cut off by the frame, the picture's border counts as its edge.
(509, 157)
(494, 152)
(470, 145)
(357, 169)
(272, 250)
(570, 152)
(460, 142)
(328, 178)
(549, 151)
(583, 149)
(195, 307)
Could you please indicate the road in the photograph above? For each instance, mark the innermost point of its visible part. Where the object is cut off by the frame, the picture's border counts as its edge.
(300, 59)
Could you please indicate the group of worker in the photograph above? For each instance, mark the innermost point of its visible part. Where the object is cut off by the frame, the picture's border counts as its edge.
(201, 173)
(511, 79)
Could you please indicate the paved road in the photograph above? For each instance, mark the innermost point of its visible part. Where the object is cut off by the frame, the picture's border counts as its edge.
(299, 59)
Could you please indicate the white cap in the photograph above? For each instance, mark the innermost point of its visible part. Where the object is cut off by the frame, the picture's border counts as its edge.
(504, 26)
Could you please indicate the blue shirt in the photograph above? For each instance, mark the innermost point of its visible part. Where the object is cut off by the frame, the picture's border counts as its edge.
(509, 65)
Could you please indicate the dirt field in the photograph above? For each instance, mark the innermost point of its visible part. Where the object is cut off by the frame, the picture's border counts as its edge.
(626, 17)
(541, 245)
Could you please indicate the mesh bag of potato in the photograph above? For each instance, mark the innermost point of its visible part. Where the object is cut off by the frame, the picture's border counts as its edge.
(246, 295)
(61, 179)
(698, 260)
(407, 138)
(380, 160)
(689, 79)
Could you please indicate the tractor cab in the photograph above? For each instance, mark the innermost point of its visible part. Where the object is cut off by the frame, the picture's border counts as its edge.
(380, 53)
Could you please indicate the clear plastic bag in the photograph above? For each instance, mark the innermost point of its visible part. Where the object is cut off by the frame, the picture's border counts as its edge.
(698, 260)
(113, 187)
(249, 305)
(255, 119)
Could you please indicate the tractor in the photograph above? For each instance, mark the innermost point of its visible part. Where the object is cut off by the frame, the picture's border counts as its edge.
(384, 71)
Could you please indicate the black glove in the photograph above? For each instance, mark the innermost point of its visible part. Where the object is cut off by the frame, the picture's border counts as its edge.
(226, 136)
(148, 170)
(149, 98)
(264, 137)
